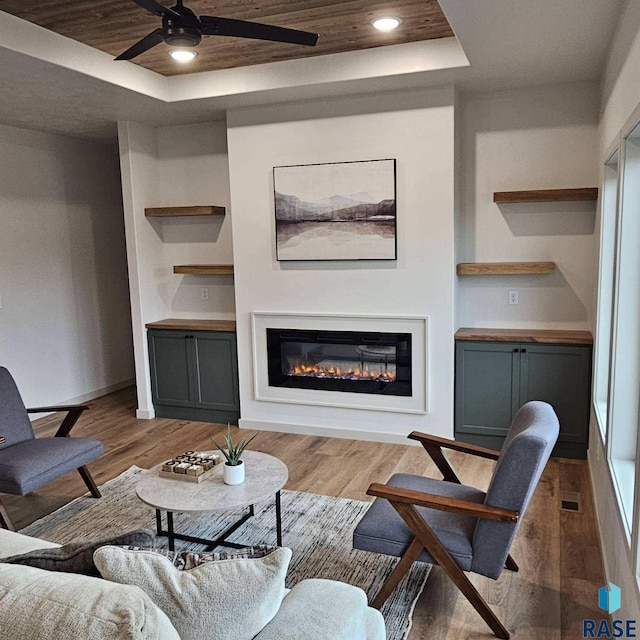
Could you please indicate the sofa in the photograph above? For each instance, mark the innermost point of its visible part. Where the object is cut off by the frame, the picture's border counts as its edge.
(89, 607)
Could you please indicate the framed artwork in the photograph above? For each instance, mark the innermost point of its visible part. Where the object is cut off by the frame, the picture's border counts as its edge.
(337, 211)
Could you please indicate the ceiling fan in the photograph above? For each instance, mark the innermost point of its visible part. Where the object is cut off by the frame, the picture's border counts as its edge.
(182, 28)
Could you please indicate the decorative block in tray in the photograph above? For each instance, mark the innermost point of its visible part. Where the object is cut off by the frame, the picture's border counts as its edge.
(191, 466)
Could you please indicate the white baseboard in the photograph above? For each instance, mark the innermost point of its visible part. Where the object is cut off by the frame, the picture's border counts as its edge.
(86, 397)
(599, 523)
(328, 432)
(141, 414)
(103, 391)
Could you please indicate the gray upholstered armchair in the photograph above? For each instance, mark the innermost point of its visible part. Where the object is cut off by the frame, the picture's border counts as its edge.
(26, 462)
(456, 526)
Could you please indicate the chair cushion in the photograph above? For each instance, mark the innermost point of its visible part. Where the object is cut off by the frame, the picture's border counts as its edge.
(382, 530)
(525, 453)
(15, 426)
(29, 465)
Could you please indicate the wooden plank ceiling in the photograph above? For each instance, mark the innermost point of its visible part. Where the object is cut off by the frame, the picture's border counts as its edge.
(343, 25)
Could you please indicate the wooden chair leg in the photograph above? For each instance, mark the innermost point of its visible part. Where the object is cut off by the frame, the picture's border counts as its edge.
(511, 565)
(409, 557)
(88, 480)
(5, 521)
(435, 548)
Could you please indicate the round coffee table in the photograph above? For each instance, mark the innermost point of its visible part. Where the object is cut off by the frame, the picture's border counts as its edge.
(265, 477)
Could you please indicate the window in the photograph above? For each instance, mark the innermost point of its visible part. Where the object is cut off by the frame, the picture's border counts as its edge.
(609, 208)
(624, 400)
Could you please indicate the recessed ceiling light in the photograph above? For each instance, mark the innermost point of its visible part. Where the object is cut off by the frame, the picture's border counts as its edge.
(183, 55)
(388, 23)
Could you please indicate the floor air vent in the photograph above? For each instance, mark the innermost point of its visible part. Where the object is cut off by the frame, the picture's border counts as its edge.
(570, 502)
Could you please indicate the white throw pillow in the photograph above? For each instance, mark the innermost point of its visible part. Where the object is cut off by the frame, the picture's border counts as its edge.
(222, 600)
(41, 604)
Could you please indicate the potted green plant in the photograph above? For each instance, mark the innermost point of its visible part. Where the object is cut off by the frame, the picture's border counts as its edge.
(234, 466)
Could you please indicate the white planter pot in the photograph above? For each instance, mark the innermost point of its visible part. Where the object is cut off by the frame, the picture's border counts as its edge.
(234, 475)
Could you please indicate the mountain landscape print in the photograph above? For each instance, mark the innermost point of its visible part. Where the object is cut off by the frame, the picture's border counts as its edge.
(338, 211)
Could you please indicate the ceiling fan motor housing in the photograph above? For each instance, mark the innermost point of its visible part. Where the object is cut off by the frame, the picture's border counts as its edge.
(181, 31)
(182, 28)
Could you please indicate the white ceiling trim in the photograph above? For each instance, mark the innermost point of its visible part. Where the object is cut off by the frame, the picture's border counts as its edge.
(37, 42)
(416, 57)
(384, 62)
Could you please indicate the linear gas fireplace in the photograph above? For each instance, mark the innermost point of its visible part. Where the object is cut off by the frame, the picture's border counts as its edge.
(351, 361)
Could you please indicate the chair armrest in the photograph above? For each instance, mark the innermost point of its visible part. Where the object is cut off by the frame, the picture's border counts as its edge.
(442, 503)
(69, 407)
(74, 411)
(434, 441)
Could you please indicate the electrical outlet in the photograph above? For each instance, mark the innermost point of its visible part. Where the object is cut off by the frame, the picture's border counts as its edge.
(204, 293)
(514, 297)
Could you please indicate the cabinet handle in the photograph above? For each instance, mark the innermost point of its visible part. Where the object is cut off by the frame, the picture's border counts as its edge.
(524, 351)
(516, 351)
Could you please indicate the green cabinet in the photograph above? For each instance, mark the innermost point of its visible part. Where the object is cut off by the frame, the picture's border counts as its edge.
(494, 379)
(194, 375)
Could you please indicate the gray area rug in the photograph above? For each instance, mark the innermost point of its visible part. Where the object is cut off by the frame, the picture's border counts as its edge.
(317, 528)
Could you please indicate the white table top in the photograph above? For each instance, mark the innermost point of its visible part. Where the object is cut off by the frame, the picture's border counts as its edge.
(265, 476)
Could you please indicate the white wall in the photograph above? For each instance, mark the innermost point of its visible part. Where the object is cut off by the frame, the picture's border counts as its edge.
(538, 138)
(416, 129)
(193, 169)
(64, 323)
(620, 97)
(138, 160)
(621, 80)
(173, 166)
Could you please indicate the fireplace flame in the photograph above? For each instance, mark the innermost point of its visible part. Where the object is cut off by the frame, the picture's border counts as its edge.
(336, 373)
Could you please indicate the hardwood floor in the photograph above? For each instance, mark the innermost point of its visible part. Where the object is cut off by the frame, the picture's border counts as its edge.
(558, 552)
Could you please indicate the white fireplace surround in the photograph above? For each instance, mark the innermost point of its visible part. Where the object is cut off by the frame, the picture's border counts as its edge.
(418, 403)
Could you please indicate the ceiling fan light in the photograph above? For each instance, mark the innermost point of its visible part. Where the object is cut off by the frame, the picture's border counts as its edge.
(388, 23)
(183, 55)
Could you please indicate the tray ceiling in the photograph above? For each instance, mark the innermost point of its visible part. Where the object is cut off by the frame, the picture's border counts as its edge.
(114, 25)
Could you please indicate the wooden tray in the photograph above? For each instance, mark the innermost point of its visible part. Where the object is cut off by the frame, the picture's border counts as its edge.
(172, 475)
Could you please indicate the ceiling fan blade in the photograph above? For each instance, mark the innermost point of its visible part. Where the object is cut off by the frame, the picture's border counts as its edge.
(155, 7)
(154, 38)
(243, 29)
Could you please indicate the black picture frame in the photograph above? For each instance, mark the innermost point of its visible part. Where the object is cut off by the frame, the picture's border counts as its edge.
(356, 219)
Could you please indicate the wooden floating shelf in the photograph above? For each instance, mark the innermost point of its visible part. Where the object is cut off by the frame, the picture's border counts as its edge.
(173, 212)
(546, 195)
(204, 269)
(542, 336)
(193, 325)
(505, 268)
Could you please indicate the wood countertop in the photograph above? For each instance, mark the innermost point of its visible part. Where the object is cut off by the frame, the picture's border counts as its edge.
(193, 325)
(543, 336)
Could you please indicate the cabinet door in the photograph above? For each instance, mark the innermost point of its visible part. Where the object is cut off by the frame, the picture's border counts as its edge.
(487, 388)
(171, 370)
(216, 371)
(559, 375)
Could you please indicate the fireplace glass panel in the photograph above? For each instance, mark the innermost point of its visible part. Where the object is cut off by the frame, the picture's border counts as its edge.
(378, 363)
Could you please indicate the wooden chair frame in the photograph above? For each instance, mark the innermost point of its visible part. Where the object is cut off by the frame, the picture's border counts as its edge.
(405, 501)
(74, 412)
